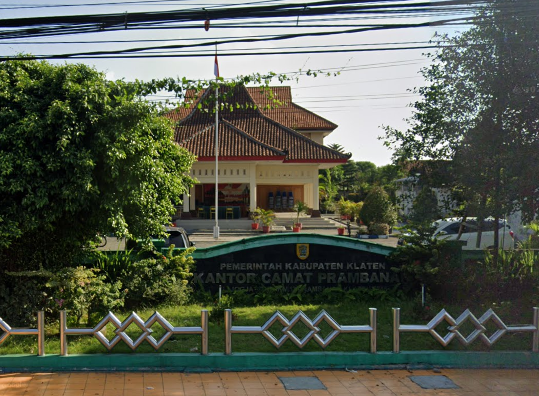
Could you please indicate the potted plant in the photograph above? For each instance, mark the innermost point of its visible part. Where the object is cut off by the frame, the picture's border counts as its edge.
(255, 217)
(379, 230)
(363, 232)
(266, 218)
(340, 230)
(296, 227)
(345, 209)
(300, 208)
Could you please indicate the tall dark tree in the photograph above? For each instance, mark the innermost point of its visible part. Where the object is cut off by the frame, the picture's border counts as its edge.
(480, 108)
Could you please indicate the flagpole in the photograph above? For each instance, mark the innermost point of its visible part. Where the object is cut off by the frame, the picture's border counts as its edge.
(216, 70)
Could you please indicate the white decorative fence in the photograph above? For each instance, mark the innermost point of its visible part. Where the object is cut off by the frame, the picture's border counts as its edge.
(456, 324)
(455, 330)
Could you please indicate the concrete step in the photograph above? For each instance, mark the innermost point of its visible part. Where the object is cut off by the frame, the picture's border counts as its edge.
(240, 226)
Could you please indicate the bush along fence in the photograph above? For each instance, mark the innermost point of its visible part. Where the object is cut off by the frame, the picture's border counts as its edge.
(457, 330)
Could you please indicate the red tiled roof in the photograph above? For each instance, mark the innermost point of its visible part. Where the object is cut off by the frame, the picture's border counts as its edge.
(202, 142)
(245, 133)
(276, 103)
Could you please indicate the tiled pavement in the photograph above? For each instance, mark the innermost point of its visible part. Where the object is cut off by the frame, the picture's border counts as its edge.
(492, 382)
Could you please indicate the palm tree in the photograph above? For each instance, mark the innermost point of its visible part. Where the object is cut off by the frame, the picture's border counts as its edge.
(337, 147)
(328, 190)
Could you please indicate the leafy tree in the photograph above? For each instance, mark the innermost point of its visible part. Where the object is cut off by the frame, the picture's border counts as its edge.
(480, 109)
(425, 208)
(386, 176)
(328, 189)
(378, 208)
(357, 178)
(80, 155)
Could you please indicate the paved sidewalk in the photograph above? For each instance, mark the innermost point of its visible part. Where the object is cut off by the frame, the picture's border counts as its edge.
(493, 382)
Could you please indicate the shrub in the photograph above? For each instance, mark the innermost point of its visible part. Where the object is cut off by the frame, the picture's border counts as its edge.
(114, 266)
(21, 296)
(82, 291)
(418, 259)
(162, 279)
(363, 230)
(379, 229)
(378, 208)
(425, 207)
(356, 210)
(345, 208)
(217, 311)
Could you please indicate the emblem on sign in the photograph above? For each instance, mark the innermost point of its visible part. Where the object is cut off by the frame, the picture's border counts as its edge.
(302, 250)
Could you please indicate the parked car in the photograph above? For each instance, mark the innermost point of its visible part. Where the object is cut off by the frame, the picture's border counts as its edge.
(449, 229)
(177, 236)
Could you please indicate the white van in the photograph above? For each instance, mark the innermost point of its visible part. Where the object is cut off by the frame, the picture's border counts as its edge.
(449, 229)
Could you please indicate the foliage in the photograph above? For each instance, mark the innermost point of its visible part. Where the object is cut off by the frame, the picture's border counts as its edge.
(255, 216)
(217, 311)
(358, 177)
(533, 239)
(267, 216)
(379, 229)
(241, 297)
(354, 180)
(336, 295)
(363, 230)
(328, 189)
(337, 147)
(345, 207)
(378, 208)
(356, 210)
(300, 208)
(514, 276)
(418, 258)
(161, 279)
(425, 208)
(82, 291)
(279, 295)
(479, 109)
(21, 296)
(115, 265)
(80, 155)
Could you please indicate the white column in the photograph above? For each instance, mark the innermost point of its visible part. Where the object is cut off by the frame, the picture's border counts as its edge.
(185, 203)
(252, 188)
(192, 202)
(308, 194)
(316, 191)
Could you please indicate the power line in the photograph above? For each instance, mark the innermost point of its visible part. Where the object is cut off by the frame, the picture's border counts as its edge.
(73, 24)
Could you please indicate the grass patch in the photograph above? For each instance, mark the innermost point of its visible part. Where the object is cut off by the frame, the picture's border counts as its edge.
(356, 313)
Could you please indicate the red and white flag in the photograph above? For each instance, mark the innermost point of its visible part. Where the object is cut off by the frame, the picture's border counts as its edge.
(216, 68)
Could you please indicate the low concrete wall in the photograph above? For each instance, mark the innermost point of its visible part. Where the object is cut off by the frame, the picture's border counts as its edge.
(265, 361)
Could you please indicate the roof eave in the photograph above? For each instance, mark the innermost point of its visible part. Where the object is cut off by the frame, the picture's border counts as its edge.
(243, 158)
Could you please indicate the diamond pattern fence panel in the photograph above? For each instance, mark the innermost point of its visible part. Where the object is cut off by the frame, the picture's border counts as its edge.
(455, 325)
(456, 328)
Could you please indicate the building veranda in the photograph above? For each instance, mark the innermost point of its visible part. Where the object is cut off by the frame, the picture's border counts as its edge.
(270, 152)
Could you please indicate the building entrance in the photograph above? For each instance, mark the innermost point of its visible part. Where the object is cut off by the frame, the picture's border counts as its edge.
(233, 200)
(279, 198)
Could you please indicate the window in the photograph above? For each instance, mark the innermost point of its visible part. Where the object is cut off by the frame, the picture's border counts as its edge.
(452, 229)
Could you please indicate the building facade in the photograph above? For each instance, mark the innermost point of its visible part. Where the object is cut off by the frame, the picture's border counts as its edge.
(270, 151)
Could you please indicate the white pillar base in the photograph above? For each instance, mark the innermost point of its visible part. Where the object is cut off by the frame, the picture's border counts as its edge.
(216, 232)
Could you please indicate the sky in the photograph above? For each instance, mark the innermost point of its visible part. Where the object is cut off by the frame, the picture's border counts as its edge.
(372, 89)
